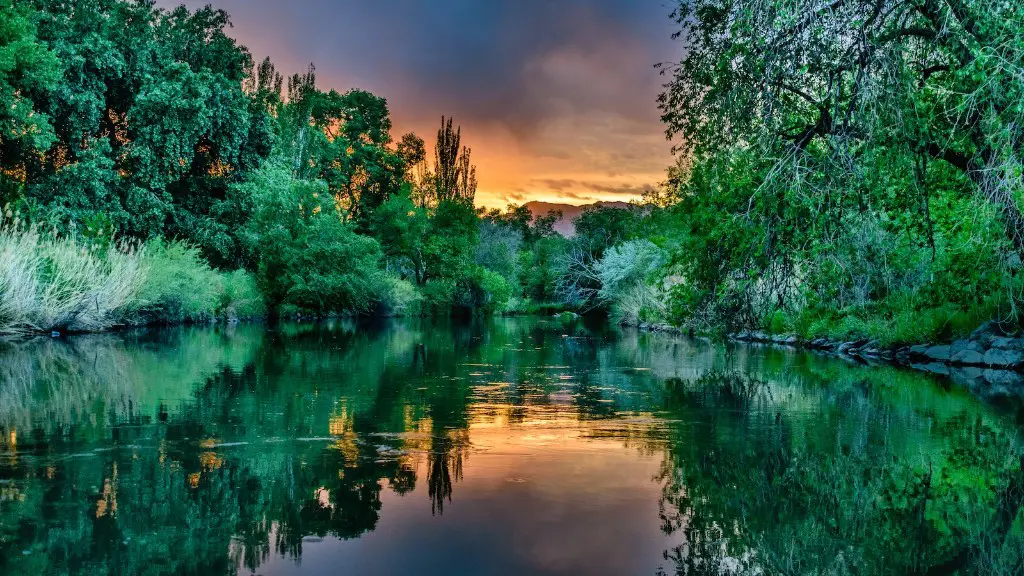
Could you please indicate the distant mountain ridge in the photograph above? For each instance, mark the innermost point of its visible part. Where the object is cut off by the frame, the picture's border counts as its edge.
(565, 225)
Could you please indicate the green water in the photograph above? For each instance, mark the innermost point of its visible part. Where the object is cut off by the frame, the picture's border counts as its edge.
(507, 446)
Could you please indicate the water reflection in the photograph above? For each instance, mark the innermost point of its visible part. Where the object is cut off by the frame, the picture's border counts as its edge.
(504, 447)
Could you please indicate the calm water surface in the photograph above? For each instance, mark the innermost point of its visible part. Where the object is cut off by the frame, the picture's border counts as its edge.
(507, 446)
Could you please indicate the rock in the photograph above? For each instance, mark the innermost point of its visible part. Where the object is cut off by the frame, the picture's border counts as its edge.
(778, 339)
(823, 344)
(919, 351)
(941, 353)
(1003, 379)
(969, 358)
(986, 332)
(792, 340)
(1004, 358)
(958, 346)
(972, 378)
(760, 337)
(846, 347)
(933, 367)
(1004, 343)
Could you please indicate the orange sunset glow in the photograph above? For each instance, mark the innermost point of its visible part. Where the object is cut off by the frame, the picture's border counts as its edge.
(556, 100)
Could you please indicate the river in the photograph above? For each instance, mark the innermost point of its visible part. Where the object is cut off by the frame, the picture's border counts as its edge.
(499, 446)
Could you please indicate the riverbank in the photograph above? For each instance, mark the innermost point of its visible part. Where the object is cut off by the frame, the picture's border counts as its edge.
(988, 361)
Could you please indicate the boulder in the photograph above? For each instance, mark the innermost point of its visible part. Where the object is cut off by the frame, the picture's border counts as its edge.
(933, 367)
(919, 351)
(962, 345)
(1004, 379)
(986, 332)
(824, 344)
(1004, 358)
(1004, 343)
(792, 340)
(971, 377)
(969, 358)
(941, 353)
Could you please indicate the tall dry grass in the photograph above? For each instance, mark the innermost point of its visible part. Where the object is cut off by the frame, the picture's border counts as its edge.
(49, 282)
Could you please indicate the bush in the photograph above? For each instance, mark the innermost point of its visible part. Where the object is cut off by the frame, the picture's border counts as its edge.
(241, 297)
(639, 303)
(53, 283)
(439, 296)
(308, 257)
(626, 265)
(489, 291)
(179, 286)
(400, 298)
(626, 273)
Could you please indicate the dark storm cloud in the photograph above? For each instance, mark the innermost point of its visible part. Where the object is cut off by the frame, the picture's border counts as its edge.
(557, 76)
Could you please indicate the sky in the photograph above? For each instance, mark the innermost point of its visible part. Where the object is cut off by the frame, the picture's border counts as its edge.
(556, 98)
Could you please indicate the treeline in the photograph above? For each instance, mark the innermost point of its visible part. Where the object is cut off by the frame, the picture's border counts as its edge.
(849, 169)
(151, 171)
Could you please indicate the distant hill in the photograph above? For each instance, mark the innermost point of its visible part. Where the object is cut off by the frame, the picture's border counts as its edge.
(565, 226)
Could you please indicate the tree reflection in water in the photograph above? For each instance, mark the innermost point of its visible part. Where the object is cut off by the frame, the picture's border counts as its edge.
(444, 466)
(199, 451)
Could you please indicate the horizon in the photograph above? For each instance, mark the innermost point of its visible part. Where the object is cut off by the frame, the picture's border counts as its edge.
(557, 102)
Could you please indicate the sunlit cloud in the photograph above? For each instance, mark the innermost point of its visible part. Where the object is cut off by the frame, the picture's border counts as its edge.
(546, 92)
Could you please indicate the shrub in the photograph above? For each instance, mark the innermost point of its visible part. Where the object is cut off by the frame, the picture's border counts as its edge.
(179, 285)
(307, 255)
(490, 291)
(400, 298)
(639, 303)
(53, 283)
(626, 265)
(439, 296)
(241, 297)
(626, 272)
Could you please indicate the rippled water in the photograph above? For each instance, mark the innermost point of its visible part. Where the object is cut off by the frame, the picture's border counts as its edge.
(506, 446)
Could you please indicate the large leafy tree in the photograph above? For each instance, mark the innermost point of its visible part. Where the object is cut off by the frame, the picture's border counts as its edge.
(151, 121)
(306, 255)
(816, 86)
(28, 69)
(343, 139)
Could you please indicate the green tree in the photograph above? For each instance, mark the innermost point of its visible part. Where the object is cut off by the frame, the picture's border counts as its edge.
(454, 176)
(306, 254)
(151, 121)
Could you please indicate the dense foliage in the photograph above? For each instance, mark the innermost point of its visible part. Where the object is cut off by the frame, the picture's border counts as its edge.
(846, 169)
(852, 168)
(123, 124)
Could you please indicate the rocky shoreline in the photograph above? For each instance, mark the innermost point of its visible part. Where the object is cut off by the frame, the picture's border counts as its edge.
(989, 361)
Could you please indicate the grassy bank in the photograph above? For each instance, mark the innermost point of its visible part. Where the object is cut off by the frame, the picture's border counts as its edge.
(56, 283)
